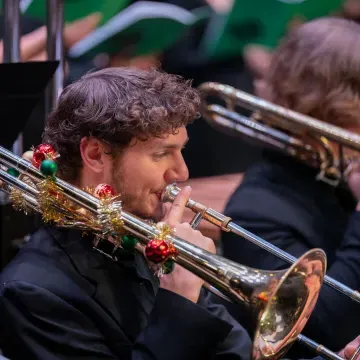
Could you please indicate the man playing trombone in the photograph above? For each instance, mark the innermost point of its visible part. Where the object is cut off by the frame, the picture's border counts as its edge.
(315, 71)
(58, 298)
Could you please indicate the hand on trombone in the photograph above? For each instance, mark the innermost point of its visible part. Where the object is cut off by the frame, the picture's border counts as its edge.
(351, 350)
(182, 281)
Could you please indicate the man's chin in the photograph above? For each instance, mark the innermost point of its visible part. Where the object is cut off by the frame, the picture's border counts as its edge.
(147, 211)
(156, 215)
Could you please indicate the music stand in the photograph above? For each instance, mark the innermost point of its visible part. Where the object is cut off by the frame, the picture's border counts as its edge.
(22, 87)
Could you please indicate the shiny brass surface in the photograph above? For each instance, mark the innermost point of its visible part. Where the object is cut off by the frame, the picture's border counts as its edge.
(273, 335)
(313, 141)
(226, 224)
(281, 300)
(289, 307)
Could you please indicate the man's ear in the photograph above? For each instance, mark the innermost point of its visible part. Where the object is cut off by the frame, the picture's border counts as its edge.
(94, 154)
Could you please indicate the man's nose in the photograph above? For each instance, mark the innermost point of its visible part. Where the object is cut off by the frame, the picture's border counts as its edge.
(183, 172)
(178, 173)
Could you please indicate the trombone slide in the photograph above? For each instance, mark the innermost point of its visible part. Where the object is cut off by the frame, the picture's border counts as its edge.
(226, 224)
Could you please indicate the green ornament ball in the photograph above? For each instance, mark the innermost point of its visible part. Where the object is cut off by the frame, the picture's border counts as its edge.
(13, 172)
(168, 266)
(129, 242)
(48, 167)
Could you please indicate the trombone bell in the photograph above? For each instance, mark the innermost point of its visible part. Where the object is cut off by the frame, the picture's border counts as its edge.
(286, 304)
(281, 301)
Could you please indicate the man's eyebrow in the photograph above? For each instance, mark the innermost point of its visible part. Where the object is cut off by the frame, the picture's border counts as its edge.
(173, 145)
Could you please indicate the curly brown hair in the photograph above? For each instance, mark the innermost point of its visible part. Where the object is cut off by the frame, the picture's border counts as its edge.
(117, 105)
(316, 71)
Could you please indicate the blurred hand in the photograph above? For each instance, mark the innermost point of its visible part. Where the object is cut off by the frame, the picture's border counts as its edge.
(258, 59)
(182, 281)
(221, 6)
(33, 45)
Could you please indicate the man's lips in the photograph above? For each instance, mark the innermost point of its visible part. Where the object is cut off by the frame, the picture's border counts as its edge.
(159, 194)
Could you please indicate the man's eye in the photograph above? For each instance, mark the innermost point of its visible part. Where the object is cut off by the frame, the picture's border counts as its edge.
(160, 155)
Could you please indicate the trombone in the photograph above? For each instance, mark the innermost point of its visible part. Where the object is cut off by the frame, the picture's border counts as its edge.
(298, 135)
(224, 223)
(282, 300)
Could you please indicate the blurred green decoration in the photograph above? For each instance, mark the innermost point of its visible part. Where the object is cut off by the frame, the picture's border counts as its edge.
(76, 9)
(262, 22)
(143, 28)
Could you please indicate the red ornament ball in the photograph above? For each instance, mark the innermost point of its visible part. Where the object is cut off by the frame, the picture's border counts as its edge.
(158, 251)
(103, 191)
(42, 152)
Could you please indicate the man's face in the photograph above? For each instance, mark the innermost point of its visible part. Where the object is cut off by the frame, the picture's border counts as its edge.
(143, 170)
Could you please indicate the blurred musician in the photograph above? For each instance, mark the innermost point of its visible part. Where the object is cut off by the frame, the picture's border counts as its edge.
(315, 71)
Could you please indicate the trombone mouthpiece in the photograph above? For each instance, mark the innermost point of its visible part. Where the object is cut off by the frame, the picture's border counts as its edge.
(170, 192)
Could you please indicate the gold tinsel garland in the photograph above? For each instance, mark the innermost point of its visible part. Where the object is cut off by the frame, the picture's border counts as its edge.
(57, 208)
(107, 223)
(19, 202)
